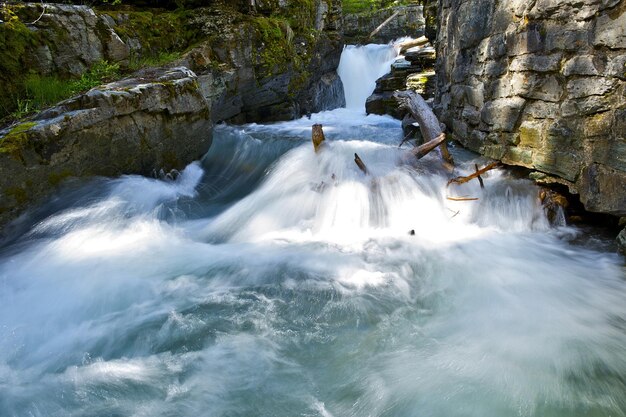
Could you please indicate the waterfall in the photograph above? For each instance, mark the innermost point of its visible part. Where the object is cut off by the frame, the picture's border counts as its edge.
(360, 67)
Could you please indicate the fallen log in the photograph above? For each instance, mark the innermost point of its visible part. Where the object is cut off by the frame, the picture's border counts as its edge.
(404, 46)
(479, 172)
(360, 164)
(385, 23)
(428, 122)
(317, 136)
(424, 149)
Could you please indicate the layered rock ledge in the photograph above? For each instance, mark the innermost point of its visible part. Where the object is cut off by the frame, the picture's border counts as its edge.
(541, 85)
(275, 62)
(158, 119)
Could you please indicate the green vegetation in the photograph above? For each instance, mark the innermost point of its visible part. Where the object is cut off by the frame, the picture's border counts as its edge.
(161, 58)
(15, 140)
(277, 48)
(15, 41)
(42, 91)
(160, 32)
(163, 36)
(360, 6)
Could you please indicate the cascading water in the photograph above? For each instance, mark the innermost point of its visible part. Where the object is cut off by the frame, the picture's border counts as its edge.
(270, 280)
(360, 67)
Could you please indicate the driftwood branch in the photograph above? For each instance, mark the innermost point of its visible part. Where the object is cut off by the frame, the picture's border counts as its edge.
(360, 164)
(317, 136)
(480, 180)
(406, 45)
(477, 174)
(385, 23)
(445, 154)
(424, 149)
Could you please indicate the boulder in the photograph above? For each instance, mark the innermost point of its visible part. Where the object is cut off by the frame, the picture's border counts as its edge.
(156, 120)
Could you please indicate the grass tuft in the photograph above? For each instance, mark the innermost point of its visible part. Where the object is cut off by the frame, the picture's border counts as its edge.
(43, 91)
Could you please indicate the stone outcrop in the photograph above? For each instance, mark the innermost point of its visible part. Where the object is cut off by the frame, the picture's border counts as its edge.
(243, 67)
(66, 41)
(263, 75)
(542, 85)
(275, 63)
(159, 119)
(414, 70)
(409, 21)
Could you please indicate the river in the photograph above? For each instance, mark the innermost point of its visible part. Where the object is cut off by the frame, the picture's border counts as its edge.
(268, 280)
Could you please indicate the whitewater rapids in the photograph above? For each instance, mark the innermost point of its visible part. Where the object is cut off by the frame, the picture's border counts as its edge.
(267, 280)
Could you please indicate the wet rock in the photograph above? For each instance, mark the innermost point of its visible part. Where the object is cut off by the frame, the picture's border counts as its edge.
(621, 241)
(549, 80)
(250, 68)
(156, 120)
(413, 72)
(358, 26)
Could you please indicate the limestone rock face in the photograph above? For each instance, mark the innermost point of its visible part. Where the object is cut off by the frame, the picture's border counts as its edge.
(76, 37)
(548, 81)
(156, 120)
(409, 22)
(265, 70)
(414, 71)
(244, 67)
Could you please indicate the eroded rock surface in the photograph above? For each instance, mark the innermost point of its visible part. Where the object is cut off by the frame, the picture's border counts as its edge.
(409, 21)
(542, 85)
(156, 120)
(275, 62)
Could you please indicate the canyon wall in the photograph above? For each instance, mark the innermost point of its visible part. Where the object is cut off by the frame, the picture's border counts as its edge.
(540, 84)
(408, 21)
(274, 62)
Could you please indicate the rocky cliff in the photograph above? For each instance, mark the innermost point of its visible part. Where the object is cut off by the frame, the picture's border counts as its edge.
(272, 62)
(407, 21)
(158, 120)
(540, 84)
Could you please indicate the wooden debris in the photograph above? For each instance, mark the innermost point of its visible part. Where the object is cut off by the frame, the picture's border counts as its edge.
(317, 136)
(421, 41)
(478, 173)
(480, 180)
(360, 164)
(445, 153)
(462, 198)
(406, 138)
(428, 122)
(455, 213)
(424, 149)
(385, 23)
(412, 232)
